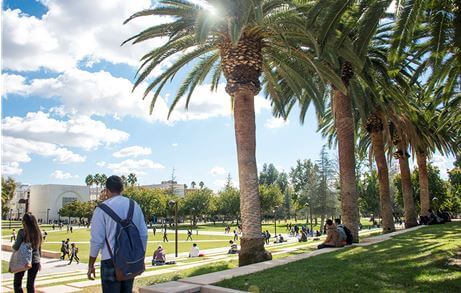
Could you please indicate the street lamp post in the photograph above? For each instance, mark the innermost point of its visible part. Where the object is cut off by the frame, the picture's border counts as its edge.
(11, 215)
(172, 203)
(48, 216)
(275, 220)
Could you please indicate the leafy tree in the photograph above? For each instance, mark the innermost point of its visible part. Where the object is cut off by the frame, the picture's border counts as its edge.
(228, 203)
(153, 202)
(271, 197)
(368, 190)
(72, 209)
(197, 202)
(268, 175)
(8, 189)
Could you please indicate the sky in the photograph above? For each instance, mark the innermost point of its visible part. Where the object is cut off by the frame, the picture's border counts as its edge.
(68, 109)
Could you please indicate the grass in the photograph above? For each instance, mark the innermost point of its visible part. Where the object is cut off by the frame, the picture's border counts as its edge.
(5, 266)
(412, 262)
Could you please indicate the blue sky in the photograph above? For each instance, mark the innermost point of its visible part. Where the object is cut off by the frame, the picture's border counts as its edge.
(68, 110)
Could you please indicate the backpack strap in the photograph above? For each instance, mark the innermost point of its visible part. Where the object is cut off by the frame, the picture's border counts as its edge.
(129, 217)
(110, 212)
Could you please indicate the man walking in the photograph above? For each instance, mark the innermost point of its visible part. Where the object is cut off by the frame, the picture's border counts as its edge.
(103, 233)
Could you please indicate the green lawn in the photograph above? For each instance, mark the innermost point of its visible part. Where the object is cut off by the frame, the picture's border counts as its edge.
(4, 266)
(413, 262)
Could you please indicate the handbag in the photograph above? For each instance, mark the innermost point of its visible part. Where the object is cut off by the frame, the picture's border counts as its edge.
(21, 259)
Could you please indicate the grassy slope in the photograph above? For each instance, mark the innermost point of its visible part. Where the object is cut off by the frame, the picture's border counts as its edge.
(412, 262)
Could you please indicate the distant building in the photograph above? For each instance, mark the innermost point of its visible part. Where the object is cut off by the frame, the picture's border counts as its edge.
(173, 186)
(46, 200)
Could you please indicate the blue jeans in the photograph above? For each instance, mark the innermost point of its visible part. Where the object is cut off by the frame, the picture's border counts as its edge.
(110, 283)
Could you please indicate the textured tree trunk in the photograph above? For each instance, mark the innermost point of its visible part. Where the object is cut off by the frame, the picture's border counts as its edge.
(252, 245)
(423, 183)
(407, 191)
(344, 124)
(377, 143)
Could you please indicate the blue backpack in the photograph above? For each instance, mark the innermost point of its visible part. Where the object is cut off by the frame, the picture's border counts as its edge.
(129, 253)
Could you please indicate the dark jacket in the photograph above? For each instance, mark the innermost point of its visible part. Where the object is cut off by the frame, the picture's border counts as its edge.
(35, 252)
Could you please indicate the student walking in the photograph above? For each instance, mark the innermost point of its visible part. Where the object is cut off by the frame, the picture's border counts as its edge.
(29, 234)
(236, 235)
(63, 250)
(13, 235)
(105, 224)
(73, 253)
(189, 235)
(165, 237)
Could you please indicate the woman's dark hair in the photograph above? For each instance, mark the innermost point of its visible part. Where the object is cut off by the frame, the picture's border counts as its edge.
(31, 230)
(114, 184)
(329, 222)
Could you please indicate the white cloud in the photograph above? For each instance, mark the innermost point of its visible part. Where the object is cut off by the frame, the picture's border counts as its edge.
(133, 151)
(78, 131)
(101, 164)
(58, 174)
(133, 166)
(11, 169)
(19, 150)
(274, 122)
(100, 93)
(72, 31)
(217, 170)
(174, 144)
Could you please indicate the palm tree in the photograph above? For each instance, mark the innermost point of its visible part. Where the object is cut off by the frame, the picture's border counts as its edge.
(97, 181)
(201, 184)
(192, 184)
(355, 31)
(132, 179)
(89, 180)
(242, 40)
(124, 180)
(102, 181)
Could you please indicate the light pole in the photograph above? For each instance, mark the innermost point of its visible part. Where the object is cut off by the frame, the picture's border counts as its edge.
(275, 219)
(307, 205)
(192, 219)
(172, 203)
(48, 216)
(11, 214)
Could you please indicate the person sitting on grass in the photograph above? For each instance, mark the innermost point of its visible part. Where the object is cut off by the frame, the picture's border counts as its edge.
(233, 249)
(194, 251)
(159, 257)
(333, 238)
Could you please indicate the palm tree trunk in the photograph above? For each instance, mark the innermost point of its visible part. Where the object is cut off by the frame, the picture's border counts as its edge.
(377, 143)
(407, 191)
(344, 124)
(252, 245)
(423, 183)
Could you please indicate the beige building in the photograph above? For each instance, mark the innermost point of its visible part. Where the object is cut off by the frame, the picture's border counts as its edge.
(44, 201)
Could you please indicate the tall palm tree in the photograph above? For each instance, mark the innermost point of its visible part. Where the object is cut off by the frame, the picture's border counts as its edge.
(242, 40)
(355, 24)
(124, 180)
(193, 184)
(97, 182)
(89, 180)
(102, 180)
(132, 179)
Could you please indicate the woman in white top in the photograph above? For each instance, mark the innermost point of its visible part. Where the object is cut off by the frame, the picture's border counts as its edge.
(194, 251)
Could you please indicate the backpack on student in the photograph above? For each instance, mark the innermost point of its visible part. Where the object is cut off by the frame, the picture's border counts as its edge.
(129, 253)
(342, 233)
(348, 235)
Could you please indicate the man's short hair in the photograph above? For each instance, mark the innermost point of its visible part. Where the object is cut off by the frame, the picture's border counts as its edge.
(329, 222)
(195, 244)
(114, 184)
(338, 221)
